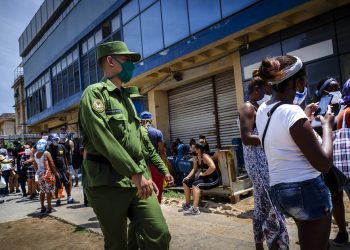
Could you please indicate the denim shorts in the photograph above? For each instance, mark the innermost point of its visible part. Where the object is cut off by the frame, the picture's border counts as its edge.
(305, 200)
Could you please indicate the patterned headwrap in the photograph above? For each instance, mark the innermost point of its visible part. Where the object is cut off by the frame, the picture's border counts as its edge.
(289, 71)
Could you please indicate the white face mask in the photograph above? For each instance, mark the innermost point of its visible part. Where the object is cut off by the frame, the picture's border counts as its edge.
(300, 97)
(264, 99)
(336, 97)
(45, 137)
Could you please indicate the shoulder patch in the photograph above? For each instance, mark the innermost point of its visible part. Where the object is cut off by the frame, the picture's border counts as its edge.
(98, 105)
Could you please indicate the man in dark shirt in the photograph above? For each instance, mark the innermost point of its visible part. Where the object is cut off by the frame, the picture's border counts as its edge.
(58, 153)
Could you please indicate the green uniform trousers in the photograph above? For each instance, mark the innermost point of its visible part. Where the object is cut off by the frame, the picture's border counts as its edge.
(113, 205)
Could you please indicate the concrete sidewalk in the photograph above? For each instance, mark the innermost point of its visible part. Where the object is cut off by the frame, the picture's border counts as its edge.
(206, 231)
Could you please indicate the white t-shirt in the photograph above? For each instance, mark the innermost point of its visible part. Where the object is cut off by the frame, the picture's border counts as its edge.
(286, 161)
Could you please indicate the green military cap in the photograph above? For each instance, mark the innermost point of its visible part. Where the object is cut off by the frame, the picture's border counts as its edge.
(116, 48)
(133, 91)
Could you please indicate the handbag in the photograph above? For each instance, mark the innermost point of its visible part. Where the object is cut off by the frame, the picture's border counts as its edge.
(341, 148)
(48, 176)
(335, 180)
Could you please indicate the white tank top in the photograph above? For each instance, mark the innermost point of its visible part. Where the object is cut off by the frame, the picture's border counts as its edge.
(40, 163)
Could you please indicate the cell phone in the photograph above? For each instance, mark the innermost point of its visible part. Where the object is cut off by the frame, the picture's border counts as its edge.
(323, 105)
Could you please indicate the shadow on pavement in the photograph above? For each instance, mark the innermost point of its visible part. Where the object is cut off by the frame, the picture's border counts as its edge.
(93, 219)
(90, 225)
(76, 206)
(27, 201)
(37, 215)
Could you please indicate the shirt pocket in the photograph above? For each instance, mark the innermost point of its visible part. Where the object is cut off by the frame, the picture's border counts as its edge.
(117, 123)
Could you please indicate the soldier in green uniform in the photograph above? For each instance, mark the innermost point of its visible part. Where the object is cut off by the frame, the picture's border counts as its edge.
(116, 176)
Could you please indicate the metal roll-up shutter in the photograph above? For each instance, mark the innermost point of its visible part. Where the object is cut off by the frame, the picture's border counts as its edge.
(192, 112)
(227, 107)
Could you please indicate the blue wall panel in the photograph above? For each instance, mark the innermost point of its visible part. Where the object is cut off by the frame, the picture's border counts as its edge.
(51, 50)
(81, 20)
(255, 14)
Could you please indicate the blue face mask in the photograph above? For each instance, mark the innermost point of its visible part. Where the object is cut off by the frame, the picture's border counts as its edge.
(300, 97)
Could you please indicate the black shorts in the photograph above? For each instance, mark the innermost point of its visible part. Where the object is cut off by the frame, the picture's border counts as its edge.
(64, 178)
(204, 182)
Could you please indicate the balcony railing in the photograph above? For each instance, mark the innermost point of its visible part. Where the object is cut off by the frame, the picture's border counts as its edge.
(18, 72)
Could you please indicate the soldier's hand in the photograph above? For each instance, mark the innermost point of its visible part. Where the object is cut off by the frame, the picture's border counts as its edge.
(169, 179)
(144, 186)
(155, 188)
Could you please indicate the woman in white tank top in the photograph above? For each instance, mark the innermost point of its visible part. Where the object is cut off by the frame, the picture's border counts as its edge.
(40, 165)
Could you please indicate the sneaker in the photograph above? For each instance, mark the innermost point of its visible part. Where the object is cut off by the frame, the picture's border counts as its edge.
(70, 200)
(18, 191)
(341, 238)
(184, 207)
(43, 210)
(2, 201)
(58, 203)
(192, 211)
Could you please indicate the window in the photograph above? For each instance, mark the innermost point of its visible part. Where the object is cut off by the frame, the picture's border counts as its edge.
(76, 77)
(59, 87)
(130, 10)
(152, 35)
(65, 86)
(91, 43)
(85, 70)
(71, 85)
(98, 37)
(321, 69)
(115, 23)
(175, 21)
(229, 7)
(305, 39)
(132, 35)
(343, 34)
(92, 67)
(37, 98)
(345, 67)
(65, 77)
(202, 13)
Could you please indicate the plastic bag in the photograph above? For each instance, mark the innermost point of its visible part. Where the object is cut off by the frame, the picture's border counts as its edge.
(2, 182)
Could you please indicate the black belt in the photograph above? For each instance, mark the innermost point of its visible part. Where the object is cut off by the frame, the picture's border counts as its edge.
(97, 158)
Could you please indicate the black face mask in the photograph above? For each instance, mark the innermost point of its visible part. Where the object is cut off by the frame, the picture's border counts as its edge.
(194, 153)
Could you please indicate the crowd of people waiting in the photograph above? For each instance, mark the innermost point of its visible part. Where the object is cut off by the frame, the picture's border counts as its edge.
(297, 159)
(288, 155)
(43, 168)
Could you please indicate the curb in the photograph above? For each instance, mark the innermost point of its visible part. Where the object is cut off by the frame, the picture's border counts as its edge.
(75, 225)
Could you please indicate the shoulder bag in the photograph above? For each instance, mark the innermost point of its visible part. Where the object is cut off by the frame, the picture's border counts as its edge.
(269, 114)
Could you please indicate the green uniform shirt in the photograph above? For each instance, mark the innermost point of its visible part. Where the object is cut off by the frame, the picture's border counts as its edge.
(110, 128)
(150, 153)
